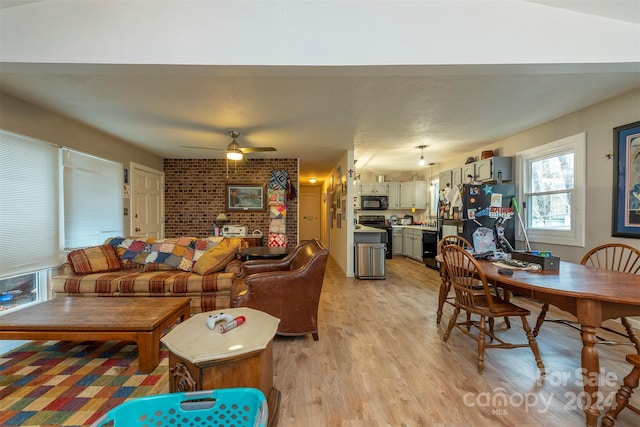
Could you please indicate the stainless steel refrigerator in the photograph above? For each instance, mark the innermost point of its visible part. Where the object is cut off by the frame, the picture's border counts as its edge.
(370, 261)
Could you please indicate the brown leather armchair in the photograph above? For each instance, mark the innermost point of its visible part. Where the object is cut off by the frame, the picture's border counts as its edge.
(288, 289)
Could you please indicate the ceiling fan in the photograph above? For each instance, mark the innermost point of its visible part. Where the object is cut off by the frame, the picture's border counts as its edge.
(233, 150)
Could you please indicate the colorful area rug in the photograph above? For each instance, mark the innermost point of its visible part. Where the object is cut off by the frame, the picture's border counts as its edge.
(62, 383)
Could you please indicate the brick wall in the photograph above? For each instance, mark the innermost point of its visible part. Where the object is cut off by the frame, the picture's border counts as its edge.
(195, 195)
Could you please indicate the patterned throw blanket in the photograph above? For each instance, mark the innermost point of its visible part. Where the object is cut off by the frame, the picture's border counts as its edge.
(180, 253)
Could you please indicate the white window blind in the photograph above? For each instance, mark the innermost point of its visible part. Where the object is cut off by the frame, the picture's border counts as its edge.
(29, 207)
(92, 199)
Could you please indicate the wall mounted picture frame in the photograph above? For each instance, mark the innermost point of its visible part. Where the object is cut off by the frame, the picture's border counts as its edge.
(626, 181)
(245, 198)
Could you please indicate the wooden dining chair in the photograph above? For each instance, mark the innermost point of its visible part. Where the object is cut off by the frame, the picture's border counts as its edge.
(610, 256)
(465, 274)
(445, 285)
(624, 393)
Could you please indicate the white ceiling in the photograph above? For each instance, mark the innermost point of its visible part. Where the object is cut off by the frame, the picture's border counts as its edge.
(316, 113)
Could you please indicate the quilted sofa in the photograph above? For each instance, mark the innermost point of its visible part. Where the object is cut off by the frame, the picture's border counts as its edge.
(203, 269)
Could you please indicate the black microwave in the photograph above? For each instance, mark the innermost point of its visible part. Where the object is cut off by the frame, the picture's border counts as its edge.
(374, 203)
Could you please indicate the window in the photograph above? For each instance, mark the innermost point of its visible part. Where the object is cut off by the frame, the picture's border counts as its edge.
(92, 199)
(29, 208)
(553, 180)
(434, 190)
(23, 289)
(34, 220)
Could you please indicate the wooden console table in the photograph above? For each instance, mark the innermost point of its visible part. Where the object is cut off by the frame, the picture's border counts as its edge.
(204, 359)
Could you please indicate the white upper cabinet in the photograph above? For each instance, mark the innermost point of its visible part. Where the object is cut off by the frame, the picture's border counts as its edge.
(393, 188)
(374, 189)
(469, 172)
(445, 179)
(494, 169)
(456, 176)
(413, 194)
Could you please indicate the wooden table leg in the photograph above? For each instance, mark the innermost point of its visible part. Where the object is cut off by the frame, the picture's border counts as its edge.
(590, 374)
(148, 351)
(589, 314)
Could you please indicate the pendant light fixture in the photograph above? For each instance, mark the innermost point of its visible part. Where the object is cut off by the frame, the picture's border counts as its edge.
(422, 162)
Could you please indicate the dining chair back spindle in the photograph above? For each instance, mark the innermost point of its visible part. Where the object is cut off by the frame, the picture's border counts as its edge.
(473, 295)
(445, 285)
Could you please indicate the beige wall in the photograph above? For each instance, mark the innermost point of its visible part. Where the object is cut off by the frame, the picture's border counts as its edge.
(27, 119)
(339, 240)
(598, 122)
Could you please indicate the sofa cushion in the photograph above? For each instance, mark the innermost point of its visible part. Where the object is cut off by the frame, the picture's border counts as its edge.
(96, 259)
(214, 260)
(217, 258)
(154, 266)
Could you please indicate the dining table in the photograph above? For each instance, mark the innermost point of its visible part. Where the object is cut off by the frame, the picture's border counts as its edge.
(591, 295)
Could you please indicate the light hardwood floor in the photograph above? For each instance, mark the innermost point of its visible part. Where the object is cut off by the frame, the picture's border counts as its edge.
(380, 361)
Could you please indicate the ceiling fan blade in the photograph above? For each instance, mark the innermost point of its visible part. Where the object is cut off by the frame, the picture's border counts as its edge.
(246, 150)
(203, 148)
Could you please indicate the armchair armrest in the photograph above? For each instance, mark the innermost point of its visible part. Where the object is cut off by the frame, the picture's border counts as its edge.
(273, 291)
(264, 265)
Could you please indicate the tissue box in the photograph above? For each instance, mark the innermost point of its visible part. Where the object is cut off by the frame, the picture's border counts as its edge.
(550, 263)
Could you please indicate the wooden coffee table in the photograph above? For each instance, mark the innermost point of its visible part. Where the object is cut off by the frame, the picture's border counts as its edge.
(139, 319)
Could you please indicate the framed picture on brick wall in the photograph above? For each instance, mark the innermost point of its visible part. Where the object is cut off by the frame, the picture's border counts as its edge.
(245, 198)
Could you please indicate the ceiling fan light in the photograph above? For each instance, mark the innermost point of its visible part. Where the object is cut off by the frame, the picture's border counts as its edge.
(234, 154)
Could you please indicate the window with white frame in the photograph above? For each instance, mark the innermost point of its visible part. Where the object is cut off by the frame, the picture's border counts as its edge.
(552, 191)
(92, 199)
(434, 190)
(43, 210)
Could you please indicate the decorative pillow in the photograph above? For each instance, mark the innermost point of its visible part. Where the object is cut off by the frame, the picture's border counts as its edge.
(277, 239)
(217, 258)
(96, 259)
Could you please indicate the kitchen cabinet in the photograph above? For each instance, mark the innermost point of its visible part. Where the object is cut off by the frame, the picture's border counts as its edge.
(445, 179)
(402, 195)
(469, 170)
(456, 176)
(398, 243)
(412, 243)
(373, 189)
(393, 189)
(493, 168)
(407, 242)
(413, 194)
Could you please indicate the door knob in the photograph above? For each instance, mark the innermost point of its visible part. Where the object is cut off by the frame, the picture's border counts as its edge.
(137, 229)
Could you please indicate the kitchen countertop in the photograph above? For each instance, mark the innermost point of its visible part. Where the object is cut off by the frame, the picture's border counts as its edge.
(365, 229)
(417, 227)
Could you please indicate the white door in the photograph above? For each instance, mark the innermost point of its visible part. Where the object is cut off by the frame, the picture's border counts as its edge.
(147, 202)
(309, 205)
